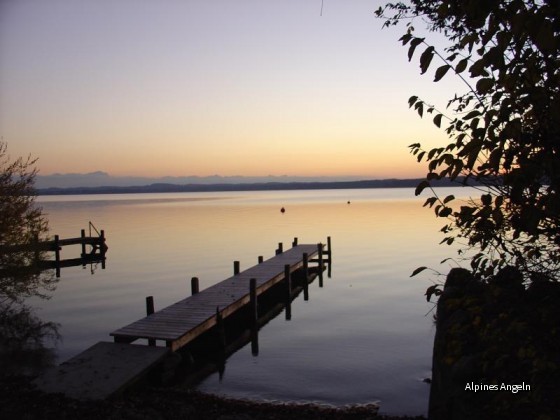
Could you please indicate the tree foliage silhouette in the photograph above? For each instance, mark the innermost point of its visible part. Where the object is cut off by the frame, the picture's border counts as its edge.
(21, 222)
(504, 129)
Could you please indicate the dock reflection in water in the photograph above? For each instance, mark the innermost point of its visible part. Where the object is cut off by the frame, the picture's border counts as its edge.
(208, 354)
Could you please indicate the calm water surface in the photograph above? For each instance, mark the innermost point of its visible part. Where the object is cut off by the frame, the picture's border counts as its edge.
(365, 336)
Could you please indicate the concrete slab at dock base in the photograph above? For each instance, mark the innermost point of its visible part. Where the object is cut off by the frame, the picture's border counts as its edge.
(100, 371)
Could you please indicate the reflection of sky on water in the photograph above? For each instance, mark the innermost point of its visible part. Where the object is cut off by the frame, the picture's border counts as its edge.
(361, 338)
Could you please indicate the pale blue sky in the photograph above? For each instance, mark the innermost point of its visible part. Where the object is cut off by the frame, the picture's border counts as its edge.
(202, 87)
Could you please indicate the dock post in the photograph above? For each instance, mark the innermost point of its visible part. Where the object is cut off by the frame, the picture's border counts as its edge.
(83, 236)
(194, 286)
(235, 268)
(255, 341)
(305, 276)
(221, 330)
(103, 247)
(253, 301)
(295, 242)
(280, 248)
(329, 255)
(254, 317)
(149, 311)
(57, 254)
(320, 251)
(261, 259)
(288, 282)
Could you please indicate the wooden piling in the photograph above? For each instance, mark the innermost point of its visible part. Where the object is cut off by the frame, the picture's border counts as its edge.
(221, 330)
(253, 301)
(288, 283)
(235, 268)
(149, 305)
(305, 276)
(261, 259)
(255, 341)
(194, 286)
(83, 236)
(149, 311)
(103, 247)
(57, 254)
(280, 248)
(320, 256)
(329, 254)
(295, 242)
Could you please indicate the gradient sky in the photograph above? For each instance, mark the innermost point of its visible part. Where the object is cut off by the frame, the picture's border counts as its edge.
(204, 87)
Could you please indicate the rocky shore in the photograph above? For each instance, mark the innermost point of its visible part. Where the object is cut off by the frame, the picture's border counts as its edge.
(20, 400)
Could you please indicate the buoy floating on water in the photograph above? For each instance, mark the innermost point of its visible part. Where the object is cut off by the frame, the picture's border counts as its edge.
(282, 210)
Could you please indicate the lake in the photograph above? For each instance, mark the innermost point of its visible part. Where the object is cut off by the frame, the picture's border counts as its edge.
(366, 336)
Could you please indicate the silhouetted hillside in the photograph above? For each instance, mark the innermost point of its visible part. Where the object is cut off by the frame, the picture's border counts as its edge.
(164, 187)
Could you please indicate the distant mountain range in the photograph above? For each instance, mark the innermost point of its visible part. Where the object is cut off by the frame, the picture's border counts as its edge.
(103, 179)
(103, 183)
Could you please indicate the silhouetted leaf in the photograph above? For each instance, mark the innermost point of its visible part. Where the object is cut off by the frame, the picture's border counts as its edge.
(461, 65)
(424, 184)
(448, 198)
(426, 59)
(437, 120)
(440, 72)
(420, 108)
(432, 290)
(413, 44)
(417, 271)
(444, 212)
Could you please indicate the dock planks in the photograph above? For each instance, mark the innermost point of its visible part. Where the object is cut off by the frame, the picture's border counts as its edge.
(100, 371)
(180, 323)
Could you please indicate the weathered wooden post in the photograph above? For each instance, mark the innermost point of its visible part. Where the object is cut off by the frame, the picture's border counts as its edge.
(261, 259)
(288, 283)
(254, 317)
(83, 237)
(149, 311)
(320, 252)
(235, 268)
(194, 286)
(253, 302)
(295, 242)
(305, 276)
(329, 251)
(221, 330)
(280, 248)
(255, 341)
(57, 254)
(102, 246)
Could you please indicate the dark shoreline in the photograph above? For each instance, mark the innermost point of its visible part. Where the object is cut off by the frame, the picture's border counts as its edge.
(19, 399)
(269, 186)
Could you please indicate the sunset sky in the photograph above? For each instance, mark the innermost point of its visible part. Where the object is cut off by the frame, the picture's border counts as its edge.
(204, 87)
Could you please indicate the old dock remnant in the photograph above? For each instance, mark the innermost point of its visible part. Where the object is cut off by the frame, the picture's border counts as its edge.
(38, 249)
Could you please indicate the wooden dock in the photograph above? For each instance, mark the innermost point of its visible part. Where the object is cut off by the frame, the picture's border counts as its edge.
(180, 323)
(93, 249)
(107, 368)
